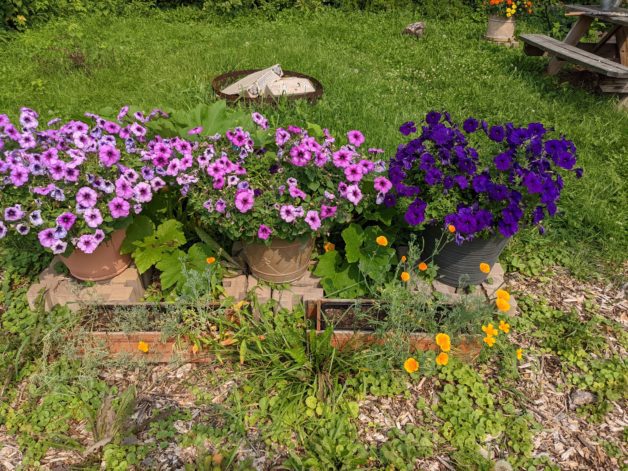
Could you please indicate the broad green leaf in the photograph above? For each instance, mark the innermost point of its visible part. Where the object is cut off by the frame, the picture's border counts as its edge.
(141, 227)
(327, 263)
(377, 265)
(171, 267)
(353, 237)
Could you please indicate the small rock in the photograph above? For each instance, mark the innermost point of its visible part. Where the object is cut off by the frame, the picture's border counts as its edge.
(415, 29)
(580, 398)
(502, 465)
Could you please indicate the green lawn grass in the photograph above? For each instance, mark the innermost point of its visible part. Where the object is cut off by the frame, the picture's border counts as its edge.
(374, 79)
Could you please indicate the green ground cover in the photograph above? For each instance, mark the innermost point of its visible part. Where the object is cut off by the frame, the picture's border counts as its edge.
(374, 79)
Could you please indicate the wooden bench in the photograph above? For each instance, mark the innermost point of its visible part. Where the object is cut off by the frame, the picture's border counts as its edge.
(537, 44)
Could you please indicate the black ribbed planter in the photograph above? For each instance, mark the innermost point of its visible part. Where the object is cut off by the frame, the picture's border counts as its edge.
(459, 265)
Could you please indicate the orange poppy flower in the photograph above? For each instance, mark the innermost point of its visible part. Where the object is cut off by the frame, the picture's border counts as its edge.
(442, 359)
(405, 276)
(485, 267)
(142, 346)
(329, 246)
(422, 266)
(502, 294)
(490, 330)
(504, 326)
(403, 259)
(502, 305)
(411, 365)
(211, 260)
(443, 341)
(382, 240)
(451, 228)
(490, 341)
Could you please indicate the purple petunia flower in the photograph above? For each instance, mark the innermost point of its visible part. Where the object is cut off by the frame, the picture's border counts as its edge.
(313, 220)
(93, 217)
(47, 237)
(496, 133)
(13, 213)
(470, 125)
(355, 138)
(86, 197)
(353, 173)
(196, 130)
(119, 208)
(415, 214)
(244, 200)
(342, 158)
(382, 185)
(108, 155)
(157, 183)
(221, 205)
(287, 213)
(19, 175)
(354, 194)
(22, 229)
(142, 192)
(3, 230)
(260, 120)
(264, 232)
(59, 247)
(87, 243)
(66, 220)
(35, 218)
(407, 128)
(328, 211)
(281, 137)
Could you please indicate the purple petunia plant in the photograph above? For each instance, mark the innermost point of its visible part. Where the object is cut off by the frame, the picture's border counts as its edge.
(299, 184)
(482, 179)
(69, 185)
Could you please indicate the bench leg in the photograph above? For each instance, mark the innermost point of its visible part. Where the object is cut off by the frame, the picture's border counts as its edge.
(576, 32)
(622, 44)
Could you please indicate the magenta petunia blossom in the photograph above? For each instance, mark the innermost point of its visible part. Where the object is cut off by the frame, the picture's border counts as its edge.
(353, 173)
(123, 188)
(281, 137)
(47, 237)
(355, 138)
(119, 208)
(296, 192)
(142, 192)
(87, 243)
(287, 213)
(93, 217)
(244, 200)
(260, 120)
(264, 232)
(382, 185)
(328, 211)
(300, 156)
(342, 158)
(195, 131)
(108, 155)
(354, 194)
(66, 220)
(86, 197)
(19, 175)
(313, 220)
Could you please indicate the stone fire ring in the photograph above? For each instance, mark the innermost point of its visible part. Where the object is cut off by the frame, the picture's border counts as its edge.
(220, 82)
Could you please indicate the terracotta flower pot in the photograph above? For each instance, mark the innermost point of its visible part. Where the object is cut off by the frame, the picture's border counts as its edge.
(282, 261)
(103, 264)
(500, 29)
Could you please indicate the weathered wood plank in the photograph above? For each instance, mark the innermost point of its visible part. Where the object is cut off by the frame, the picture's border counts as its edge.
(577, 32)
(618, 16)
(576, 55)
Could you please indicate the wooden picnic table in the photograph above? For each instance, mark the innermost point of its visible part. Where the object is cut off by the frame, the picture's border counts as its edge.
(612, 67)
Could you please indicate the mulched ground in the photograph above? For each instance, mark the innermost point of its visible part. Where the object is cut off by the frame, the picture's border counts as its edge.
(569, 440)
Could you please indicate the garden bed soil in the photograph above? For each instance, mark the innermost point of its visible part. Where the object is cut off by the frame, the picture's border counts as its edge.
(353, 327)
(98, 322)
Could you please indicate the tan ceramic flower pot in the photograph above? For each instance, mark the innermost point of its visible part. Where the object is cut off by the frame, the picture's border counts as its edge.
(104, 263)
(282, 261)
(500, 29)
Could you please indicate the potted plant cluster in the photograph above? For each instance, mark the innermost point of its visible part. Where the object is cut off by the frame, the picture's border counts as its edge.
(501, 20)
(478, 185)
(73, 187)
(277, 200)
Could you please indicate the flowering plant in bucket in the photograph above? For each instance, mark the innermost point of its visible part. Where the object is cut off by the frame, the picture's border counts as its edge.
(479, 179)
(508, 8)
(297, 186)
(70, 185)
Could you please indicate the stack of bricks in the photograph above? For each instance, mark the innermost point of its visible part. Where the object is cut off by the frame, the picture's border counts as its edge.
(487, 289)
(58, 288)
(306, 288)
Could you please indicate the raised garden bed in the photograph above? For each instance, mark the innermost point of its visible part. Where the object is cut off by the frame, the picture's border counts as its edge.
(354, 323)
(104, 331)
